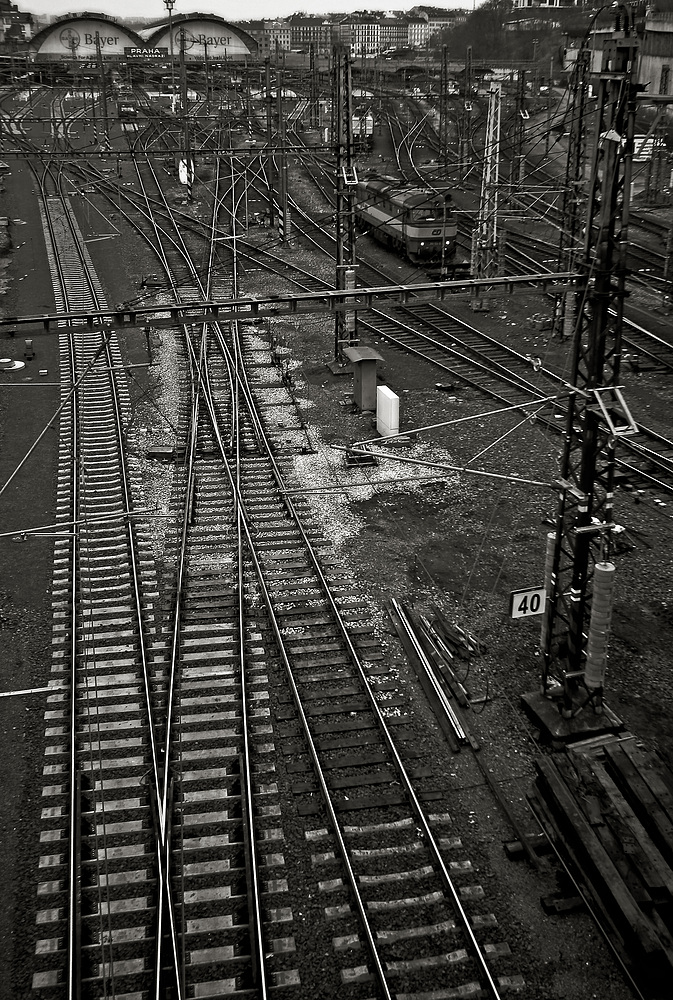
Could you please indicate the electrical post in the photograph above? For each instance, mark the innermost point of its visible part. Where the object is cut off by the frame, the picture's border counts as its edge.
(184, 110)
(464, 151)
(443, 109)
(549, 106)
(93, 103)
(183, 74)
(485, 236)
(269, 139)
(205, 70)
(576, 624)
(518, 157)
(313, 110)
(346, 179)
(573, 198)
(283, 208)
(169, 5)
(103, 88)
(536, 76)
(667, 294)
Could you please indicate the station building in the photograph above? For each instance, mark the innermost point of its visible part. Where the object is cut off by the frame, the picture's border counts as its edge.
(202, 36)
(88, 37)
(81, 37)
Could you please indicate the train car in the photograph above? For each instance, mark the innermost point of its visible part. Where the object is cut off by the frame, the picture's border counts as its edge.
(363, 132)
(416, 221)
(127, 108)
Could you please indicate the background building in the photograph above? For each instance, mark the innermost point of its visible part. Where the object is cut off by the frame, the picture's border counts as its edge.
(15, 25)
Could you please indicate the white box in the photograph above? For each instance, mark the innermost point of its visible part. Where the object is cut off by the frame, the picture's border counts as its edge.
(387, 411)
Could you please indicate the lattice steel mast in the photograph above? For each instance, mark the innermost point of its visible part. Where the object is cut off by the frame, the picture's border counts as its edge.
(485, 236)
(574, 196)
(465, 121)
(597, 412)
(443, 108)
(517, 165)
(346, 179)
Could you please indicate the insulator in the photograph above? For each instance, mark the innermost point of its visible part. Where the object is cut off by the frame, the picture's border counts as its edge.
(599, 627)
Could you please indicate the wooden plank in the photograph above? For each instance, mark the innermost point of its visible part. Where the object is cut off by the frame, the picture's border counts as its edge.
(598, 867)
(653, 867)
(655, 774)
(598, 808)
(642, 799)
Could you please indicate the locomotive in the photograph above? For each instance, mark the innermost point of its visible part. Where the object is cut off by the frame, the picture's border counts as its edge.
(414, 220)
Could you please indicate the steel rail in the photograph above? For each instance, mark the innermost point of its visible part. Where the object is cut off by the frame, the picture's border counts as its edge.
(74, 931)
(201, 383)
(163, 873)
(163, 804)
(244, 530)
(487, 367)
(74, 909)
(516, 254)
(428, 835)
(355, 659)
(234, 367)
(653, 481)
(166, 907)
(164, 890)
(252, 855)
(74, 938)
(247, 533)
(650, 479)
(661, 462)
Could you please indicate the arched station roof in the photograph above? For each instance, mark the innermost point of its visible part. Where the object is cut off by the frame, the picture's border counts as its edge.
(73, 36)
(206, 36)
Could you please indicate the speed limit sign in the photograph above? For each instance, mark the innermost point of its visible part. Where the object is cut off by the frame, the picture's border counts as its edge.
(526, 603)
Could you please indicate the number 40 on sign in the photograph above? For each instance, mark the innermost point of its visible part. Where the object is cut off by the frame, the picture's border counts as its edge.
(528, 602)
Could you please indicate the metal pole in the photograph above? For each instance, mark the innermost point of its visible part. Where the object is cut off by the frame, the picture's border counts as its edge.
(185, 116)
(169, 6)
(667, 294)
(588, 463)
(536, 78)
(342, 136)
(269, 137)
(549, 106)
(103, 88)
(205, 67)
(443, 108)
(573, 190)
(283, 220)
(465, 154)
(517, 164)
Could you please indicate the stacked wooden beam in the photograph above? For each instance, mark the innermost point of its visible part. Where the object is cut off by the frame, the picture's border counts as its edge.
(609, 814)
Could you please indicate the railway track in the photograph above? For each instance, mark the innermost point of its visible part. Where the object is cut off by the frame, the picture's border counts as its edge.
(99, 723)
(473, 358)
(167, 799)
(644, 349)
(649, 459)
(233, 779)
(462, 353)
